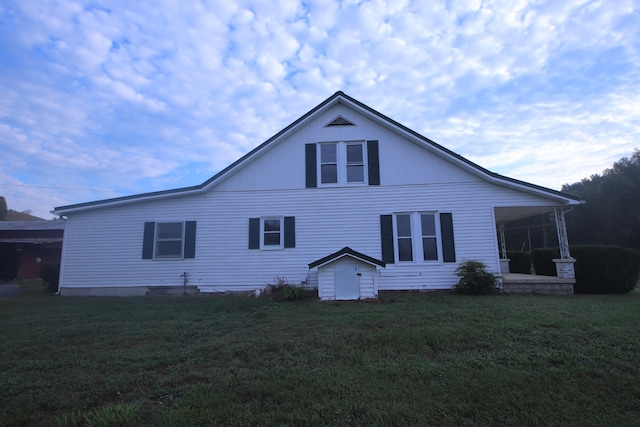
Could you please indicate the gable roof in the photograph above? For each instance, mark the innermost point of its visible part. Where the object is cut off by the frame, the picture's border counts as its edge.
(338, 97)
(346, 251)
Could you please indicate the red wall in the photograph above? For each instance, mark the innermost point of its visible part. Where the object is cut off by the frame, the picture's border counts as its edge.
(29, 267)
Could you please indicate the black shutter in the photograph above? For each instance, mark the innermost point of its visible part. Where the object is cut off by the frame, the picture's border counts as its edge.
(448, 245)
(373, 160)
(254, 233)
(386, 233)
(147, 240)
(289, 231)
(311, 171)
(190, 239)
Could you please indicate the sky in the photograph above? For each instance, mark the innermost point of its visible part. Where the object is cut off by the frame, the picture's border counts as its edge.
(101, 99)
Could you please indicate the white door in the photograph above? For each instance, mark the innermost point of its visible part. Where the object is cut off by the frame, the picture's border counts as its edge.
(347, 281)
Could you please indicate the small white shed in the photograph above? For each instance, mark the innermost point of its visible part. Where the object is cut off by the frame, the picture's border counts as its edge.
(347, 275)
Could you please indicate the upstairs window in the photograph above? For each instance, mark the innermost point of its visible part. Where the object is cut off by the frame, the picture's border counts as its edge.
(329, 163)
(341, 163)
(355, 162)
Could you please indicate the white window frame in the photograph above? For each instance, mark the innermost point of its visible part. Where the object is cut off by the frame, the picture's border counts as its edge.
(262, 232)
(416, 237)
(341, 163)
(157, 240)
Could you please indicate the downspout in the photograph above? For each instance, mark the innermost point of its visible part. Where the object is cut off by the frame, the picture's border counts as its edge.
(62, 254)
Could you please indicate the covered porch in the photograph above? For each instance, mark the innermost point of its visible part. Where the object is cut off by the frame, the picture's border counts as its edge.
(520, 283)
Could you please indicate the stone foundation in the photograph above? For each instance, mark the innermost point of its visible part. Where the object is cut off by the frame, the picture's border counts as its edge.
(537, 285)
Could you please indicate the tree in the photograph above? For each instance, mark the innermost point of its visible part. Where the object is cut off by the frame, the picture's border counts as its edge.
(611, 214)
(3, 209)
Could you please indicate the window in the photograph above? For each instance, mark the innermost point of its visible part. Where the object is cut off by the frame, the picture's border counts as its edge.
(405, 244)
(429, 237)
(329, 163)
(416, 237)
(169, 240)
(271, 233)
(341, 163)
(355, 163)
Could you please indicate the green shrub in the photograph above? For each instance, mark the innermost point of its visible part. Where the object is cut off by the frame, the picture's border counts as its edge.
(520, 262)
(475, 279)
(281, 290)
(600, 269)
(50, 273)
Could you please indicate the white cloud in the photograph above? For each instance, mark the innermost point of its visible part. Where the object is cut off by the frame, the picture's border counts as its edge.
(124, 94)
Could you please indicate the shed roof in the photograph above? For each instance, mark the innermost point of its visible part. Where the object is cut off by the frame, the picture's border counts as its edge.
(55, 224)
(346, 251)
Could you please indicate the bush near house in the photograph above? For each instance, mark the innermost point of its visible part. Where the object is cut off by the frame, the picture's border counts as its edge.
(600, 269)
(520, 262)
(50, 273)
(475, 279)
(282, 290)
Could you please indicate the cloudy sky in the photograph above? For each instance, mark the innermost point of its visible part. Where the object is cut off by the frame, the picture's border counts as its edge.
(102, 99)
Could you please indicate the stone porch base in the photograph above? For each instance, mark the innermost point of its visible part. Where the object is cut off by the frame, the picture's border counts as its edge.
(513, 283)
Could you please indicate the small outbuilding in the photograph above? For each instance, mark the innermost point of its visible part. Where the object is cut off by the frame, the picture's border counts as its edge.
(347, 275)
(26, 245)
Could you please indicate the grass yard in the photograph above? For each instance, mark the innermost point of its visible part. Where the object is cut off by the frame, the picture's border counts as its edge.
(413, 359)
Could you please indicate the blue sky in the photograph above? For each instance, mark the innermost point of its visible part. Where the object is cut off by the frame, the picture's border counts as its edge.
(102, 99)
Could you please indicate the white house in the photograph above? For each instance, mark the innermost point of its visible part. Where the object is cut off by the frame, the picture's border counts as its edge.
(344, 199)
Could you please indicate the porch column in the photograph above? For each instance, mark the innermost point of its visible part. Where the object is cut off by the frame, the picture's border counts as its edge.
(564, 265)
(504, 259)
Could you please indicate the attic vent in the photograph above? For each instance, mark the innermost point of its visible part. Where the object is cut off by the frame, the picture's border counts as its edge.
(340, 121)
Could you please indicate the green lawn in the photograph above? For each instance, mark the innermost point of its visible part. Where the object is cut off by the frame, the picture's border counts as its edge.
(414, 359)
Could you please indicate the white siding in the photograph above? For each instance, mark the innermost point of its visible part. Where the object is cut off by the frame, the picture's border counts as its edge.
(103, 246)
(282, 166)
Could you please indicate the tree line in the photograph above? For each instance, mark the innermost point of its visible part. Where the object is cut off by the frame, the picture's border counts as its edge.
(611, 214)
